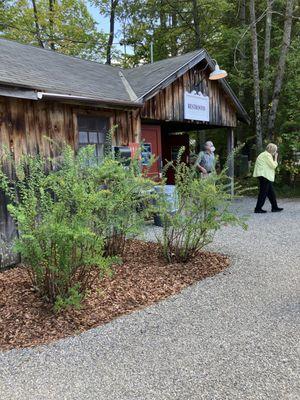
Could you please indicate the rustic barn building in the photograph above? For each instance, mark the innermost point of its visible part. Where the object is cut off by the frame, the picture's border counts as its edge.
(46, 94)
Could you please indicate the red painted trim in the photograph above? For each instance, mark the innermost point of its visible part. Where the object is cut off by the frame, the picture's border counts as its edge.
(156, 130)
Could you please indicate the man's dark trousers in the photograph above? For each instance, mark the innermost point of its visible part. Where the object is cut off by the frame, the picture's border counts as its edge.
(265, 190)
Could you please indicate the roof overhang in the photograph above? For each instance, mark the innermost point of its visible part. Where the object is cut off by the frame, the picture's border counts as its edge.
(88, 100)
(19, 93)
(173, 76)
(202, 55)
(22, 92)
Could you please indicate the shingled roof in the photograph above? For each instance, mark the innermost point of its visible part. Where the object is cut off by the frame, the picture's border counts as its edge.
(46, 70)
(30, 67)
(144, 78)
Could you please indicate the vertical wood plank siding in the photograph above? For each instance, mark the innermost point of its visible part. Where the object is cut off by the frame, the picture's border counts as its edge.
(168, 103)
(25, 126)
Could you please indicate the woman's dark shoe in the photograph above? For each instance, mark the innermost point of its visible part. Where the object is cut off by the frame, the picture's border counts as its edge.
(278, 209)
(261, 211)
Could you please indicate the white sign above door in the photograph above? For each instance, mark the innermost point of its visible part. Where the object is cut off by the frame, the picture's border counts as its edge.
(196, 106)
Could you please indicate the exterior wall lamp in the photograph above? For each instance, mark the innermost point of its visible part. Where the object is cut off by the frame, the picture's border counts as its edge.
(217, 73)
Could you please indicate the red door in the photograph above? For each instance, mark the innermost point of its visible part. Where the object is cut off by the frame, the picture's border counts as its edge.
(151, 141)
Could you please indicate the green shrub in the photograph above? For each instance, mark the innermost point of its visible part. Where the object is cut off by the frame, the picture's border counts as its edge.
(202, 208)
(55, 216)
(289, 150)
(125, 206)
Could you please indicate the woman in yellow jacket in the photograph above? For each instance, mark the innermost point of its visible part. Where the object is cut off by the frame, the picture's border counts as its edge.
(264, 170)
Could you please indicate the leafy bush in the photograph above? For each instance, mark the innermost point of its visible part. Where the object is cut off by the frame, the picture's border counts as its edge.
(55, 217)
(126, 202)
(289, 150)
(202, 207)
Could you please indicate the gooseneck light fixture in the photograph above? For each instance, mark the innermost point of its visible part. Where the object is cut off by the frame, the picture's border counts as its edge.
(217, 73)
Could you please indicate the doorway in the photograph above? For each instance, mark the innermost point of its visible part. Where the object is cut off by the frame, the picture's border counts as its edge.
(171, 145)
(165, 147)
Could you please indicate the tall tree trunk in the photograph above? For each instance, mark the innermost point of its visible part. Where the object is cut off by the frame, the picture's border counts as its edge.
(196, 19)
(113, 6)
(163, 49)
(286, 41)
(265, 91)
(51, 23)
(257, 109)
(37, 25)
(243, 48)
(243, 12)
(174, 44)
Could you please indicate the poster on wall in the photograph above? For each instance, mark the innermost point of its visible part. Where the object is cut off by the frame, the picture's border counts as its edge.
(196, 106)
(146, 154)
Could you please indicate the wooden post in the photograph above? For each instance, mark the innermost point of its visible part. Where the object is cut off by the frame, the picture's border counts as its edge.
(137, 126)
(230, 156)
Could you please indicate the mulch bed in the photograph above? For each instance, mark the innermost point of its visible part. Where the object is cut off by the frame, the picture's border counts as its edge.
(143, 279)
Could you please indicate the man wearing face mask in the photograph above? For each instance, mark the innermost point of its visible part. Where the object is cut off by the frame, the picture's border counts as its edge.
(205, 163)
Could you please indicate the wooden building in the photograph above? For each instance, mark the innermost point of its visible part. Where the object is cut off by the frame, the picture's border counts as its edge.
(44, 94)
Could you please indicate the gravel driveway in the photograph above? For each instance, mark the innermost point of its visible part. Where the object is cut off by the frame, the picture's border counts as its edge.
(233, 336)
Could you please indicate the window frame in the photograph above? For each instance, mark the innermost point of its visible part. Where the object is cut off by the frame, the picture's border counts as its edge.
(84, 127)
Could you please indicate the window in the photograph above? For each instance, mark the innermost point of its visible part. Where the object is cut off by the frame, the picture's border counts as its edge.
(92, 131)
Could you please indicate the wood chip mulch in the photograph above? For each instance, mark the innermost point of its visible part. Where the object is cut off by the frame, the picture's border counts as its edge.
(143, 279)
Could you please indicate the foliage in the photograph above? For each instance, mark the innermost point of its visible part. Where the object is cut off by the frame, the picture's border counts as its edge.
(55, 218)
(66, 26)
(202, 207)
(126, 201)
(289, 150)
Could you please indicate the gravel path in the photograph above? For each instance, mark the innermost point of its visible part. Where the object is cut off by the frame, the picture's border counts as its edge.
(233, 336)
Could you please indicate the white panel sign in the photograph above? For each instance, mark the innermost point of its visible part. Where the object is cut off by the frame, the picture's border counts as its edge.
(196, 106)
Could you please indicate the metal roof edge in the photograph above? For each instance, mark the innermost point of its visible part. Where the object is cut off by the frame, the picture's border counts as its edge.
(17, 92)
(30, 93)
(62, 96)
